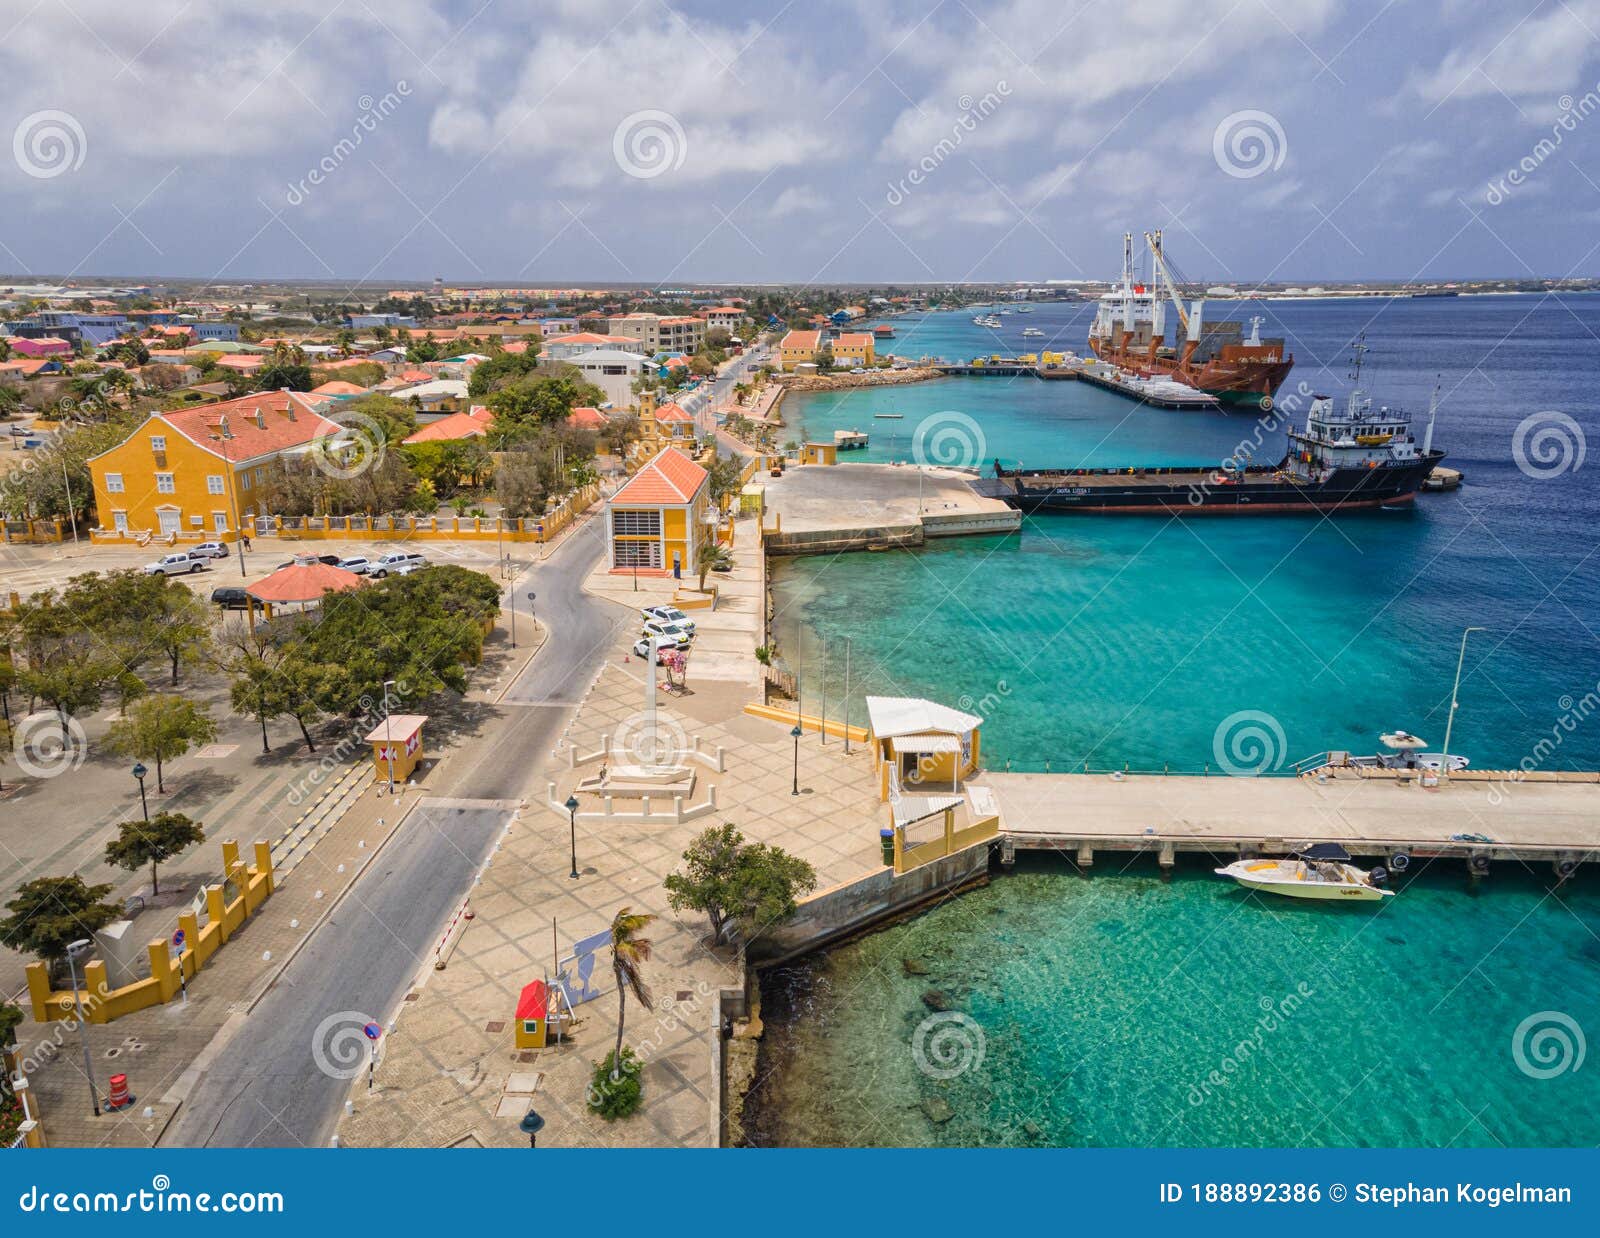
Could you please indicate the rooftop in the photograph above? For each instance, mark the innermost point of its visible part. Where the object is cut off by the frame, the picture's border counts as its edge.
(669, 477)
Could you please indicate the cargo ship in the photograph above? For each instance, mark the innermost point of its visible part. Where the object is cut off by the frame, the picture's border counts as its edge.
(1129, 330)
(1349, 457)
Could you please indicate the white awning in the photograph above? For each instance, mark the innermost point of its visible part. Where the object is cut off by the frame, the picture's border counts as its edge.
(924, 742)
(909, 809)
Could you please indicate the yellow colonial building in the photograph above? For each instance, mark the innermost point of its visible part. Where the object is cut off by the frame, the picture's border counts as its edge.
(655, 522)
(194, 474)
(854, 348)
(797, 348)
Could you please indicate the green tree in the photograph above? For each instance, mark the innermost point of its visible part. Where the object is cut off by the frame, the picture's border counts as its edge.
(11, 1018)
(489, 376)
(153, 842)
(275, 375)
(630, 951)
(49, 913)
(732, 882)
(160, 728)
(711, 555)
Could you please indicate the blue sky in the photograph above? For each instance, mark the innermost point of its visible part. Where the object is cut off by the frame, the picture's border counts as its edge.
(820, 141)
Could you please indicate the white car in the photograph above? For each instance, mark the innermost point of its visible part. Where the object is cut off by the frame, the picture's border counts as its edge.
(661, 630)
(176, 564)
(668, 614)
(359, 565)
(405, 569)
(398, 559)
(211, 550)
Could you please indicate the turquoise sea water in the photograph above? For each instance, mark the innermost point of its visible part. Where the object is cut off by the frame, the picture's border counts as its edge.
(1134, 640)
(1120, 1010)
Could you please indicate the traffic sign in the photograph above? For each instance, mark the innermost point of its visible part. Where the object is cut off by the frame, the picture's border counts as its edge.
(372, 1031)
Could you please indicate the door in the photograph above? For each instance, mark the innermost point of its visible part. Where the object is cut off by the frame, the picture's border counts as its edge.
(171, 520)
(119, 521)
(219, 521)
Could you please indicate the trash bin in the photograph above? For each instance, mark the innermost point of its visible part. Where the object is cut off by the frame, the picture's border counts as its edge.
(886, 840)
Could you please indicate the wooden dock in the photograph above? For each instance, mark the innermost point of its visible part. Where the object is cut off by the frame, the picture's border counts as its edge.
(1543, 818)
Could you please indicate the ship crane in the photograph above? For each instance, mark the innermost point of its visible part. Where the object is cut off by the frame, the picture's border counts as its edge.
(1191, 324)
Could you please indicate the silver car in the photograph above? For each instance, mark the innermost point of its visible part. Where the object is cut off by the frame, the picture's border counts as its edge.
(178, 564)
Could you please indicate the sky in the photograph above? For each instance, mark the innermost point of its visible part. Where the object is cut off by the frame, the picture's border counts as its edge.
(546, 144)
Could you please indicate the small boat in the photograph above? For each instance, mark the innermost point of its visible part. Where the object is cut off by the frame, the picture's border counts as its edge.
(890, 416)
(849, 440)
(1321, 871)
(1030, 332)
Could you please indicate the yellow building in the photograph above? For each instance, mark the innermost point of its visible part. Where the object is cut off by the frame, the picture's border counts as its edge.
(854, 348)
(921, 748)
(797, 348)
(192, 474)
(666, 425)
(655, 522)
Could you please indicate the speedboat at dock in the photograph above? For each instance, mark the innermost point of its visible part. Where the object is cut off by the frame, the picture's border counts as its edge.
(1321, 871)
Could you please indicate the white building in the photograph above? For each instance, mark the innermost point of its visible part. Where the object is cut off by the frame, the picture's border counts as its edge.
(611, 370)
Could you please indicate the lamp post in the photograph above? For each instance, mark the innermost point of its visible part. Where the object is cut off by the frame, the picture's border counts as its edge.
(388, 732)
(1455, 703)
(511, 593)
(531, 596)
(796, 733)
(139, 771)
(77, 948)
(532, 1123)
(572, 823)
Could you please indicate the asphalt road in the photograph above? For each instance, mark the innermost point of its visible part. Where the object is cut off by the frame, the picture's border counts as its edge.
(282, 1078)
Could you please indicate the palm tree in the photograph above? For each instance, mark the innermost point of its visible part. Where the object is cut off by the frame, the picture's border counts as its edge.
(629, 953)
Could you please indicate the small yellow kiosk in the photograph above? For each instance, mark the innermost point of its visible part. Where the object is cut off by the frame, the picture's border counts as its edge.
(397, 746)
(533, 1007)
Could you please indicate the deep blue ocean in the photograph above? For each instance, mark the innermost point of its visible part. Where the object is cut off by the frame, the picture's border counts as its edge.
(1132, 640)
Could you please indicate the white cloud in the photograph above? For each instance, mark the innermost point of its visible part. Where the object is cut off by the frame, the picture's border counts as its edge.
(797, 200)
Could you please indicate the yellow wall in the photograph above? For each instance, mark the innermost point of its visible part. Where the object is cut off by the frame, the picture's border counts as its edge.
(847, 354)
(137, 462)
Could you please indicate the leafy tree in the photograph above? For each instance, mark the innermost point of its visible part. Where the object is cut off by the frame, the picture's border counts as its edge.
(520, 485)
(64, 664)
(49, 913)
(250, 657)
(630, 951)
(11, 1018)
(489, 376)
(615, 1090)
(153, 842)
(138, 616)
(711, 555)
(276, 375)
(161, 728)
(727, 478)
(534, 401)
(753, 885)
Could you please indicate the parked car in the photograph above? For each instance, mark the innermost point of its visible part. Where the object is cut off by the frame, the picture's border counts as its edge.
(405, 569)
(668, 614)
(358, 564)
(641, 649)
(230, 597)
(211, 550)
(668, 631)
(177, 564)
(330, 560)
(396, 559)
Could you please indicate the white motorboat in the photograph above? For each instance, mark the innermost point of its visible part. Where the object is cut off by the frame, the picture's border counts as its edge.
(1322, 871)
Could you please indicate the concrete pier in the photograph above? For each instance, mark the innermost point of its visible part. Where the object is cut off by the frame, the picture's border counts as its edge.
(1554, 821)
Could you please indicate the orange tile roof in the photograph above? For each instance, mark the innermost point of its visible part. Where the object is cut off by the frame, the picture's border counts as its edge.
(470, 424)
(673, 412)
(590, 337)
(337, 387)
(241, 361)
(670, 477)
(247, 439)
(416, 376)
(853, 339)
(586, 418)
(803, 339)
(303, 582)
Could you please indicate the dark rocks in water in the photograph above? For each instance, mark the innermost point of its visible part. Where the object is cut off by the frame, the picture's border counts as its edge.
(936, 999)
(914, 967)
(938, 1109)
(1031, 1130)
(1395, 941)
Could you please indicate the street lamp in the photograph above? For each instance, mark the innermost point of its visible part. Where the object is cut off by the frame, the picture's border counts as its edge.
(532, 1123)
(388, 731)
(82, 946)
(139, 771)
(1455, 703)
(796, 733)
(572, 822)
(511, 593)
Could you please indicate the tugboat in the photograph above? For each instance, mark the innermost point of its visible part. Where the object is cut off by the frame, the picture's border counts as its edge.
(1347, 458)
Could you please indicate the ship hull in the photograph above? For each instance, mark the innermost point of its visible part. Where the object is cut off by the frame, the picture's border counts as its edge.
(1249, 384)
(1196, 492)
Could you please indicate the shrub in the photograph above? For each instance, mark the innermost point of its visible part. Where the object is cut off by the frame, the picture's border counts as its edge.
(619, 1097)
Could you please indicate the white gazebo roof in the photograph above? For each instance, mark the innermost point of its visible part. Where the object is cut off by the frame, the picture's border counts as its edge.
(924, 742)
(889, 716)
(909, 809)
